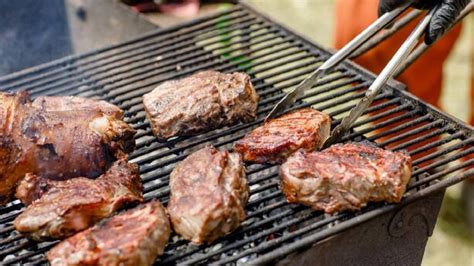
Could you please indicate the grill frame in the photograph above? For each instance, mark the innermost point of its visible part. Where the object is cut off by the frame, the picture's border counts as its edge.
(393, 89)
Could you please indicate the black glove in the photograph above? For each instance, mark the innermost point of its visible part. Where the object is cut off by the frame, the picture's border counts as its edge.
(442, 19)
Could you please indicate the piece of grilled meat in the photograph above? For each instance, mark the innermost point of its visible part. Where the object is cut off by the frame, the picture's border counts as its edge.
(201, 102)
(71, 103)
(208, 194)
(59, 138)
(345, 177)
(278, 138)
(134, 237)
(61, 208)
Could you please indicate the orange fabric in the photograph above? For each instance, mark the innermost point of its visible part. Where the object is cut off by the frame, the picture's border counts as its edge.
(424, 77)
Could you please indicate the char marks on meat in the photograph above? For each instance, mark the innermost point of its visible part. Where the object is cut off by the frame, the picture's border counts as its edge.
(278, 138)
(345, 177)
(208, 194)
(71, 103)
(61, 208)
(134, 237)
(201, 102)
(59, 138)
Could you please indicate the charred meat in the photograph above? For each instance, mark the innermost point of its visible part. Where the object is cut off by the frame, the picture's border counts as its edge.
(71, 103)
(135, 237)
(278, 138)
(61, 208)
(345, 177)
(58, 138)
(208, 193)
(201, 102)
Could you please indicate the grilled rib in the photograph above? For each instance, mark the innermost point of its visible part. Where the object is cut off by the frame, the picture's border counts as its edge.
(277, 139)
(345, 177)
(59, 138)
(71, 103)
(208, 193)
(63, 208)
(201, 102)
(135, 237)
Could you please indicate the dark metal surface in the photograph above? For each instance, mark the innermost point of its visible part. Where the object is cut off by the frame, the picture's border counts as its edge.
(397, 238)
(239, 39)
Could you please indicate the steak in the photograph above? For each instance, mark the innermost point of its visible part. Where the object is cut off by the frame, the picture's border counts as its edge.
(201, 102)
(134, 237)
(61, 208)
(278, 138)
(208, 192)
(345, 177)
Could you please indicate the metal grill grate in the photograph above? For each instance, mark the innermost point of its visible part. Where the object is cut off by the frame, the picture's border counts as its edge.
(240, 39)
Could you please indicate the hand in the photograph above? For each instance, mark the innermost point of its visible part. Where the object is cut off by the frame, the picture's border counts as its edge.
(442, 19)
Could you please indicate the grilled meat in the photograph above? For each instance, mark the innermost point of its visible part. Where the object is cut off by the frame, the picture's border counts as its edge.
(63, 208)
(345, 177)
(58, 138)
(278, 138)
(203, 101)
(135, 237)
(208, 193)
(70, 103)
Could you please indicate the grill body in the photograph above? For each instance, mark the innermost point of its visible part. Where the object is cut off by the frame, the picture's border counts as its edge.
(241, 39)
(398, 237)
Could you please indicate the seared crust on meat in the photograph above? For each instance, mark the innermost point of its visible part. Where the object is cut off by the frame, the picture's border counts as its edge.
(66, 207)
(71, 103)
(134, 237)
(278, 138)
(201, 102)
(345, 177)
(208, 194)
(59, 138)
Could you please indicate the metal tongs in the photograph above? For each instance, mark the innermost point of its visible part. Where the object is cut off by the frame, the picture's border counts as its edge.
(387, 73)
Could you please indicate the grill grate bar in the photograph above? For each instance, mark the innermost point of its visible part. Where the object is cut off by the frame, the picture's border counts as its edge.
(446, 160)
(267, 244)
(243, 229)
(124, 48)
(11, 239)
(426, 180)
(382, 115)
(436, 144)
(10, 217)
(189, 59)
(389, 122)
(21, 257)
(7, 229)
(245, 241)
(143, 88)
(380, 106)
(15, 248)
(424, 137)
(413, 132)
(148, 57)
(137, 100)
(438, 153)
(425, 118)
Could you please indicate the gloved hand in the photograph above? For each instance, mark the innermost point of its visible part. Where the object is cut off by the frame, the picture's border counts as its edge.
(442, 19)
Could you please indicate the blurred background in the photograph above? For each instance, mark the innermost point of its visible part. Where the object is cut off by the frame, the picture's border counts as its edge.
(35, 32)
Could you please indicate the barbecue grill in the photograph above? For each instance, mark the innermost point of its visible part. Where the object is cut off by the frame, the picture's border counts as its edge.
(241, 39)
